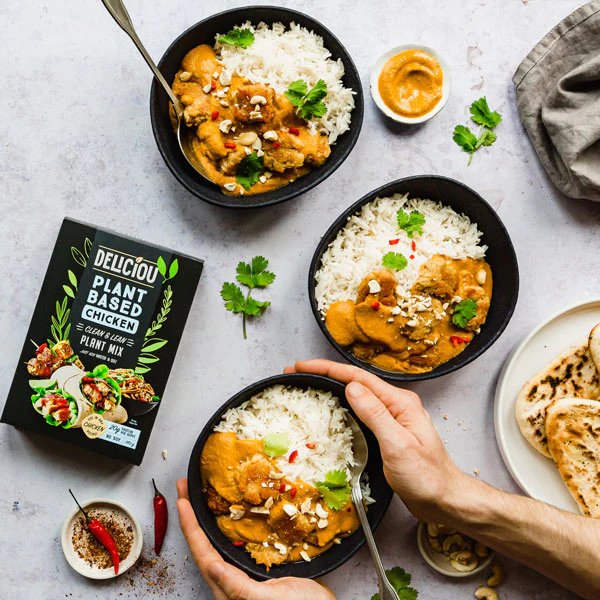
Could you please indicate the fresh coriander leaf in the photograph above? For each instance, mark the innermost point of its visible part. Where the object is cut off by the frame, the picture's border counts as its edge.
(310, 111)
(482, 115)
(317, 93)
(262, 280)
(412, 223)
(255, 275)
(465, 138)
(394, 260)
(408, 594)
(487, 138)
(336, 478)
(464, 312)
(259, 263)
(335, 489)
(244, 274)
(249, 170)
(234, 298)
(276, 444)
(296, 92)
(243, 38)
(255, 307)
(398, 577)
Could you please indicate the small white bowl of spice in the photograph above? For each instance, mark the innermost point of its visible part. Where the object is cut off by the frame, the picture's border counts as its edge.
(410, 83)
(86, 554)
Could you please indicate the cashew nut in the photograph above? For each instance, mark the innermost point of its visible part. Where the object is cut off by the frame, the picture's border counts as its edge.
(436, 544)
(432, 529)
(455, 543)
(486, 593)
(497, 575)
(481, 550)
(463, 561)
(444, 529)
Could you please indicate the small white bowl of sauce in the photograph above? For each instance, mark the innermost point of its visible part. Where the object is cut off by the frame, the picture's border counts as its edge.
(410, 83)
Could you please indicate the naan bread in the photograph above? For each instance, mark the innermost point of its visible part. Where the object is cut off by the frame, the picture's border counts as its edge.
(573, 431)
(594, 345)
(572, 374)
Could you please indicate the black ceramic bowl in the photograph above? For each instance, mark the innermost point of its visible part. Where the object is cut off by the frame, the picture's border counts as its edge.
(135, 408)
(500, 255)
(332, 558)
(204, 33)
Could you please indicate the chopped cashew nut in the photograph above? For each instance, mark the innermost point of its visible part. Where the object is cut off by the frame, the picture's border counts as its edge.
(486, 593)
(260, 510)
(454, 543)
(321, 512)
(436, 544)
(271, 135)
(290, 510)
(275, 475)
(247, 138)
(230, 187)
(225, 125)
(481, 277)
(236, 512)
(185, 76)
(269, 502)
(464, 562)
(258, 100)
(432, 529)
(497, 575)
(282, 549)
(374, 287)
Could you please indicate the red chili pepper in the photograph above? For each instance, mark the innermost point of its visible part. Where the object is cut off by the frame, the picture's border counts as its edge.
(413, 245)
(238, 543)
(394, 242)
(311, 446)
(276, 145)
(41, 348)
(282, 488)
(294, 130)
(230, 145)
(293, 492)
(161, 518)
(215, 115)
(213, 84)
(412, 257)
(101, 535)
(349, 509)
(293, 456)
(375, 305)
(456, 340)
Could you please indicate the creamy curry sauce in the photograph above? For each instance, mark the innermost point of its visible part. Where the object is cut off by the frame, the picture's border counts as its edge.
(248, 494)
(414, 337)
(230, 123)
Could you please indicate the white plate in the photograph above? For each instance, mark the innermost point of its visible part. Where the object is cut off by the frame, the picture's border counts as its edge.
(536, 474)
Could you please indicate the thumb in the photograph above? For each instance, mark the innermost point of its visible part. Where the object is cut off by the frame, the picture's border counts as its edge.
(236, 584)
(373, 413)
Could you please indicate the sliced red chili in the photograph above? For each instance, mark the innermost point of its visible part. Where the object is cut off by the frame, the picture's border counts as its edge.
(394, 242)
(282, 488)
(375, 305)
(214, 116)
(293, 492)
(213, 84)
(412, 257)
(238, 543)
(413, 245)
(230, 145)
(293, 456)
(41, 348)
(456, 340)
(294, 130)
(311, 446)
(276, 145)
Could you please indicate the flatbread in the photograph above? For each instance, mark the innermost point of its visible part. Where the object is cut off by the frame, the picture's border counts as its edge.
(572, 374)
(594, 345)
(573, 431)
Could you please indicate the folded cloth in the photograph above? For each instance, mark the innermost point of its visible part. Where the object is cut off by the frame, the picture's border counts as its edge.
(558, 97)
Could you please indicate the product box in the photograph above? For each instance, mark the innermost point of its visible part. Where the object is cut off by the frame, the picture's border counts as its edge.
(102, 341)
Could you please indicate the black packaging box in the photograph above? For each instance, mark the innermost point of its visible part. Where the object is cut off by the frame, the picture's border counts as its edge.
(121, 305)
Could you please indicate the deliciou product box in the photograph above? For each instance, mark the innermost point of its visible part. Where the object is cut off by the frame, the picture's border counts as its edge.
(102, 340)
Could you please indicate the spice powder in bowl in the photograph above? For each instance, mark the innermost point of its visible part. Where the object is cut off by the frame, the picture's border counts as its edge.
(86, 554)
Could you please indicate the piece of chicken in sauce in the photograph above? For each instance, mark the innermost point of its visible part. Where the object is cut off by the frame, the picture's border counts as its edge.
(416, 334)
(236, 119)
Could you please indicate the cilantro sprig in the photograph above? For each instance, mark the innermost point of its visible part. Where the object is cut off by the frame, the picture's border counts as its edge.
(411, 223)
(243, 38)
(395, 261)
(309, 104)
(249, 170)
(488, 119)
(400, 581)
(335, 489)
(464, 312)
(253, 275)
(276, 444)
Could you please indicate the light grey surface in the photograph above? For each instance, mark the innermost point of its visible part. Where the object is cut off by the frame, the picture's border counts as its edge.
(76, 141)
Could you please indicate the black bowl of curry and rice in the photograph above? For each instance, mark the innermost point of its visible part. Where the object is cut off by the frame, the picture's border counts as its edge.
(268, 484)
(415, 280)
(273, 97)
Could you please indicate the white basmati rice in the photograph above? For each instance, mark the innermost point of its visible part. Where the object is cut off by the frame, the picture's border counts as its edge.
(360, 246)
(280, 56)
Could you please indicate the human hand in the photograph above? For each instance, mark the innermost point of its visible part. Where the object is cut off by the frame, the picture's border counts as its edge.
(415, 462)
(226, 581)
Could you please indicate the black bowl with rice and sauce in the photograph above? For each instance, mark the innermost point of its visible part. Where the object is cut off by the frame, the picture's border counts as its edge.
(261, 509)
(418, 293)
(291, 161)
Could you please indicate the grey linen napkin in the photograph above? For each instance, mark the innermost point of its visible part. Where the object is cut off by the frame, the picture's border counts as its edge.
(558, 97)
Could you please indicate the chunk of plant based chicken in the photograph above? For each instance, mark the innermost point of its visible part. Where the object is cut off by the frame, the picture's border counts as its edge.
(250, 476)
(289, 529)
(212, 141)
(387, 282)
(282, 159)
(265, 555)
(216, 503)
(483, 304)
(438, 276)
(231, 162)
(261, 111)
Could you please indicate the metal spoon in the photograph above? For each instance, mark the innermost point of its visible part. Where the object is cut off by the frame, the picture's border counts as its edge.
(361, 456)
(119, 13)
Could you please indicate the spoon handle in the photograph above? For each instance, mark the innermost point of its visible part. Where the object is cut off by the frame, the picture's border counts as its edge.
(386, 591)
(119, 13)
